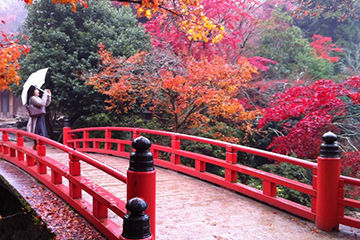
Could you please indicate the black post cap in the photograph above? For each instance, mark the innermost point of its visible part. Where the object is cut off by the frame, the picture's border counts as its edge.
(330, 148)
(142, 159)
(136, 224)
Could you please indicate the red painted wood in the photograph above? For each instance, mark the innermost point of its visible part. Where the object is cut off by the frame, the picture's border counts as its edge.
(103, 200)
(328, 194)
(232, 168)
(143, 185)
(350, 221)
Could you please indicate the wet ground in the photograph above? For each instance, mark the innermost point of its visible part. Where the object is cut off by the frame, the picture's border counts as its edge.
(188, 209)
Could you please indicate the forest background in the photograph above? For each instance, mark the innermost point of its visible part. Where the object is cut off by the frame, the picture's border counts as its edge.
(270, 74)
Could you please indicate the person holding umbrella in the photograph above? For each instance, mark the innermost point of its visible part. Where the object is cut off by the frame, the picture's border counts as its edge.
(34, 104)
(36, 124)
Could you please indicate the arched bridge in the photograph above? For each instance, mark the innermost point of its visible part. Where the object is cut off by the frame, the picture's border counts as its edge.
(90, 171)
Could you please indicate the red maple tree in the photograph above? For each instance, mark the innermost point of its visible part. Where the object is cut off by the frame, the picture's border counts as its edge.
(305, 113)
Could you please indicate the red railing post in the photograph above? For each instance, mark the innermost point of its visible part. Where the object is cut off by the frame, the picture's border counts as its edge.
(41, 151)
(5, 138)
(327, 202)
(12, 152)
(30, 161)
(20, 143)
(107, 139)
(66, 133)
(269, 188)
(99, 210)
(175, 145)
(56, 178)
(74, 170)
(141, 177)
(313, 199)
(231, 158)
(136, 224)
(86, 139)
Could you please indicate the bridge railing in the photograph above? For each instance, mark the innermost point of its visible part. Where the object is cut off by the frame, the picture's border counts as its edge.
(51, 173)
(347, 202)
(169, 152)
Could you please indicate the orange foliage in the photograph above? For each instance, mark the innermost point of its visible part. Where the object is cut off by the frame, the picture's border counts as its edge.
(207, 89)
(10, 52)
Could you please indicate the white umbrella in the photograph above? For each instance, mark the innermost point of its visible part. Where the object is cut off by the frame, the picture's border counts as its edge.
(36, 79)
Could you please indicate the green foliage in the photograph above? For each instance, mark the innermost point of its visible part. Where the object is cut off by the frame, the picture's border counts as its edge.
(345, 34)
(338, 10)
(66, 42)
(116, 120)
(289, 171)
(316, 68)
(286, 45)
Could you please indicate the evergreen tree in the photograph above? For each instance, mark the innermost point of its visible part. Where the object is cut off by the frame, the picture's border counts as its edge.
(67, 43)
(285, 44)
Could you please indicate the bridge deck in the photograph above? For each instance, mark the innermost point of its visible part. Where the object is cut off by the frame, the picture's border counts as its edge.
(188, 208)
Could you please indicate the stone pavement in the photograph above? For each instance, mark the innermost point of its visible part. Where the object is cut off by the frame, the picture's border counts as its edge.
(188, 208)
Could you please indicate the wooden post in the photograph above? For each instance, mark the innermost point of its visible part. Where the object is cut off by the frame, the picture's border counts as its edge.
(41, 151)
(141, 177)
(99, 210)
(74, 170)
(5, 138)
(175, 145)
(231, 158)
(66, 133)
(86, 139)
(20, 143)
(108, 139)
(269, 188)
(327, 204)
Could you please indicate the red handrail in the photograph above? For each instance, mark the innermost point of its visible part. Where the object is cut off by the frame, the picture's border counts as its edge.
(232, 168)
(36, 163)
(270, 181)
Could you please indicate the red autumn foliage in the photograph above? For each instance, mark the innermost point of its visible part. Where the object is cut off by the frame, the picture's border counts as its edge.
(239, 20)
(305, 113)
(323, 46)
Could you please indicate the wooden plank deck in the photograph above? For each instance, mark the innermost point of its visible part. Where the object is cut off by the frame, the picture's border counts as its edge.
(188, 208)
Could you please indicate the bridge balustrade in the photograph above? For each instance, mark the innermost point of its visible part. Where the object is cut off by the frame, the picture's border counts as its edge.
(169, 151)
(37, 163)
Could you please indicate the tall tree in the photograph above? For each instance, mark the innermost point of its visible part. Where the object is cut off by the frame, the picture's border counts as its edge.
(191, 93)
(66, 42)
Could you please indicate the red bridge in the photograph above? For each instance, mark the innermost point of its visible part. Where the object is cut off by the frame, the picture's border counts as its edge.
(90, 171)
